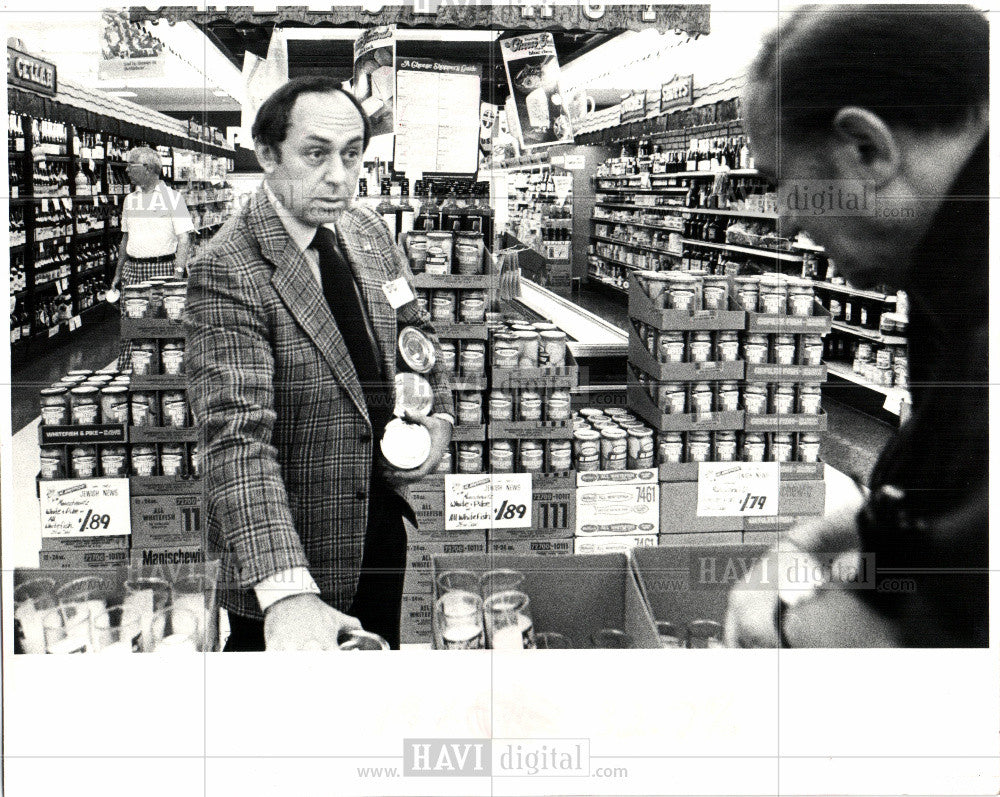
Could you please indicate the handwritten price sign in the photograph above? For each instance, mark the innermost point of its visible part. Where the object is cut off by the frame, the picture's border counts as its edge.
(738, 489)
(88, 508)
(484, 501)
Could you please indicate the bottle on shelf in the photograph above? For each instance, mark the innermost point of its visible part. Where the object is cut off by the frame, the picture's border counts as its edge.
(407, 214)
(451, 215)
(387, 209)
(427, 217)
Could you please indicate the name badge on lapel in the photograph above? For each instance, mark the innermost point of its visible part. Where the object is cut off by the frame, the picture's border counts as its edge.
(398, 292)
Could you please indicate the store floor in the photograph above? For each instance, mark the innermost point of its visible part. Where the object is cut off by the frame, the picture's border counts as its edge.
(851, 443)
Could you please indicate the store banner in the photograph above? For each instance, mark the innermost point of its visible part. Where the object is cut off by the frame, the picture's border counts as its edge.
(438, 116)
(532, 68)
(634, 107)
(128, 50)
(677, 92)
(374, 82)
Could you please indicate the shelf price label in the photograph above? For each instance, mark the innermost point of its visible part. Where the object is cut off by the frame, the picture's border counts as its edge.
(85, 508)
(738, 489)
(74, 323)
(487, 501)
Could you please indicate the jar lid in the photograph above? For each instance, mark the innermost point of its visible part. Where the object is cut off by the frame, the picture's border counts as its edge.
(639, 431)
(52, 391)
(545, 326)
(613, 433)
(750, 279)
(405, 445)
(586, 434)
(112, 390)
(83, 390)
(553, 334)
(681, 280)
(416, 350)
(83, 372)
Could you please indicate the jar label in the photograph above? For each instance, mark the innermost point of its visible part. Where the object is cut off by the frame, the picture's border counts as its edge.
(85, 414)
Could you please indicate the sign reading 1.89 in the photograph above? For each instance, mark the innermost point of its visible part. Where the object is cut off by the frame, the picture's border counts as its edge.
(85, 508)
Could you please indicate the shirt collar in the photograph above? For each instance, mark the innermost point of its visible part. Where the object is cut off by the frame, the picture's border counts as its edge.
(300, 232)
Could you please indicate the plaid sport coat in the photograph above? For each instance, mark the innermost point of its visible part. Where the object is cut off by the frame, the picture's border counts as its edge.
(285, 438)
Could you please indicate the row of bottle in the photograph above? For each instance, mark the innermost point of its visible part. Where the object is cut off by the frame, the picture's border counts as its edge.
(469, 212)
(15, 132)
(713, 154)
(48, 136)
(50, 179)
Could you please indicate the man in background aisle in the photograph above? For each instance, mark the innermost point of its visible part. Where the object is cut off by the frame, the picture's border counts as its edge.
(890, 104)
(156, 228)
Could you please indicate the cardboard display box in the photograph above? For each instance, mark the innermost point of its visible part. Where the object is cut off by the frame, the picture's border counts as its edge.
(415, 619)
(613, 543)
(141, 328)
(641, 308)
(531, 430)
(91, 434)
(770, 372)
(703, 538)
(641, 403)
(164, 521)
(526, 547)
(819, 323)
(679, 507)
(622, 502)
(567, 375)
(445, 331)
(173, 557)
(790, 424)
(789, 471)
(116, 542)
(83, 559)
(639, 357)
(421, 552)
(469, 282)
(468, 434)
(163, 485)
(681, 584)
(574, 595)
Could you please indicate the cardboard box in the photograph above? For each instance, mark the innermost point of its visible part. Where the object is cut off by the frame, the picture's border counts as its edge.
(617, 502)
(420, 553)
(480, 282)
(531, 430)
(116, 542)
(639, 357)
(415, 619)
(573, 595)
(641, 403)
(84, 559)
(819, 323)
(158, 382)
(113, 576)
(174, 557)
(685, 583)
(163, 485)
(703, 538)
(162, 434)
(141, 328)
(789, 471)
(164, 521)
(526, 547)
(474, 384)
(679, 507)
(468, 434)
(641, 308)
(769, 372)
(567, 375)
(791, 424)
(460, 331)
(613, 543)
(92, 434)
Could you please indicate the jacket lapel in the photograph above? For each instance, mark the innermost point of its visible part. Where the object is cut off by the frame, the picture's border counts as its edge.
(294, 282)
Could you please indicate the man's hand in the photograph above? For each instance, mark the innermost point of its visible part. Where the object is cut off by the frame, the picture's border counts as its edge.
(440, 431)
(304, 622)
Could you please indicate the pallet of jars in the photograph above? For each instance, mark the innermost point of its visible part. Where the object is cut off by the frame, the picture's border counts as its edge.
(533, 413)
(705, 405)
(516, 602)
(439, 253)
(531, 355)
(119, 608)
(158, 298)
(455, 312)
(671, 356)
(682, 301)
(776, 304)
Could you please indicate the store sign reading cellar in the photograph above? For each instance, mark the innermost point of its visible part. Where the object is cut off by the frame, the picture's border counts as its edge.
(30, 73)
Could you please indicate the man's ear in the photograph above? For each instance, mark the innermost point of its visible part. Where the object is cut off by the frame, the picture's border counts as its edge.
(867, 143)
(267, 156)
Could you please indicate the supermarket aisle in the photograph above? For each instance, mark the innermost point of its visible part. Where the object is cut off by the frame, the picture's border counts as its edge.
(93, 346)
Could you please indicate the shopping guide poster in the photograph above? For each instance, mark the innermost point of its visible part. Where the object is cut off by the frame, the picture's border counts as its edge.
(532, 68)
(375, 76)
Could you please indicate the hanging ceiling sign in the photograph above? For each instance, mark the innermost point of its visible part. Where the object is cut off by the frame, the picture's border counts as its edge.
(374, 81)
(677, 92)
(532, 68)
(29, 72)
(471, 14)
(634, 107)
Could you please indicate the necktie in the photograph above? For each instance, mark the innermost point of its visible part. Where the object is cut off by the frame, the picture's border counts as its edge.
(344, 299)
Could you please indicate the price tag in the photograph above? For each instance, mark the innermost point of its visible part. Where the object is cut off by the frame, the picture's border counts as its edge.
(53, 331)
(74, 323)
(88, 508)
(738, 489)
(484, 501)
(573, 163)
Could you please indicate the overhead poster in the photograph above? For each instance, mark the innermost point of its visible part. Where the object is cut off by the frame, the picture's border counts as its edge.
(375, 76)
(438, 116)
(532, 68)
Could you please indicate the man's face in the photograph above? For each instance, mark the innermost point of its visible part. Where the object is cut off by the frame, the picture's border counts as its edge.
(320, 158)
(813, 193)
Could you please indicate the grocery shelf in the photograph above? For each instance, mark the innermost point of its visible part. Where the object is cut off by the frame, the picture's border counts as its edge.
(878, 297)
(747, 250)
(658, 227)
(606, 283)
(746, 214)
(618, 262)
(869, 334)
(636, 246)
(619, 206)
(895, 396)
(623, 190)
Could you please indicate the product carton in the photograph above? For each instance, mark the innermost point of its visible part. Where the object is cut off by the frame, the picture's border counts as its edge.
(641, 308)
(703, 538)
(685, 583)
(622, 502)
(639, 357)
(545, 547)
(790, 424)
(679, 508)
(420, 553)
(90, 434)
(567, 375)
(531, 430)
(469, 434)
(613, 543)
(173, 557)
(642, 404)
(771, 372)
(819, 323)
(789, 471)
(573, 595)
(415, 619)
(83, 559)
(163, 521)
(119, 542)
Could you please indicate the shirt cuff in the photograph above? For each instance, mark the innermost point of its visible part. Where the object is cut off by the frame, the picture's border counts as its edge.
(284, 584)
(446, 416)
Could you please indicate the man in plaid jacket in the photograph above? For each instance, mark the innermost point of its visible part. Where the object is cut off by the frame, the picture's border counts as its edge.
(307, 517)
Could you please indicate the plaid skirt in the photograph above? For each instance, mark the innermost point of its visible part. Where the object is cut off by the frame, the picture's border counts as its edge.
(133, 272)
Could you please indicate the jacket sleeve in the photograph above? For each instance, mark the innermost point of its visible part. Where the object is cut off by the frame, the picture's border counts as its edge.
(410, 314)
(230, 364)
